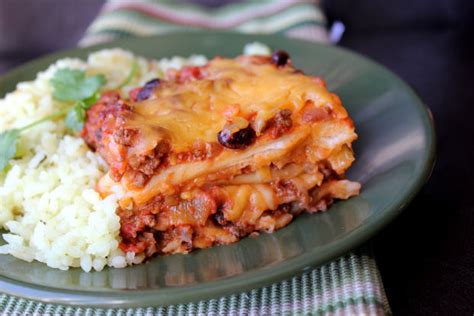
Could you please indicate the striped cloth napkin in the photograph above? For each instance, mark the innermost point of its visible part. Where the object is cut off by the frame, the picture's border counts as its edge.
(349, 285)
(121, 18)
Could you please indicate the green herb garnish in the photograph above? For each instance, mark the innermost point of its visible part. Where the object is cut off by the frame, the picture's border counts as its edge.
(73, 85)
(131, 74)
(7, 146)
(70, 86)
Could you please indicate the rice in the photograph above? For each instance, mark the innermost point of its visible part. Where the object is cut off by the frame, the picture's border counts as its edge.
(256, 48)
(48, 203)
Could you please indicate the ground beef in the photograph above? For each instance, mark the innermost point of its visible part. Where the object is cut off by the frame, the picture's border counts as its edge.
(106, 132)
(280, 124)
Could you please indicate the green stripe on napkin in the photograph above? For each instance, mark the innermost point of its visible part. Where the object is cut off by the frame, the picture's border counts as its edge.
(121, 18)
(350, 285)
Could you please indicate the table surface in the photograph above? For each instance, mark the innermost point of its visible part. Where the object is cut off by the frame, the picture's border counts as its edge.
(426, 256)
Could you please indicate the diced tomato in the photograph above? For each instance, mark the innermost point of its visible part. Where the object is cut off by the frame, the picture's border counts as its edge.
(133, 94)
(189, 73)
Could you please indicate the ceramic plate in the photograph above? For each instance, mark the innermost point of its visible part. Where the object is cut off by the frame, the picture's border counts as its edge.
(395, 154)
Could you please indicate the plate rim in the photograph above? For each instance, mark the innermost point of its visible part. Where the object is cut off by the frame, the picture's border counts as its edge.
(251, 280)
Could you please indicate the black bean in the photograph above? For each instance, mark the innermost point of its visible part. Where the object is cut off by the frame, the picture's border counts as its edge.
(238, 140)
(280, 58)
(219, 218)
(147, 89)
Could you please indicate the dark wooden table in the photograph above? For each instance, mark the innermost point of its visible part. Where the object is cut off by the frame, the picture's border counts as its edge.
(426, 256)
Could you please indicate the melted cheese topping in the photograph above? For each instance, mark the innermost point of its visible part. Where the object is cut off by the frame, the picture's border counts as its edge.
(239, 91)
(243, 87)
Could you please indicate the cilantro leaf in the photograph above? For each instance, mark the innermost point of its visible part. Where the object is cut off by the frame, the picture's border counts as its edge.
(75, 118)
(8, 141)
(69, 85)
(74, 85)
(131, 75)
(87, 103)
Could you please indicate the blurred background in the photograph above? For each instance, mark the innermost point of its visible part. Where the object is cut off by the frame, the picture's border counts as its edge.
(426, 256)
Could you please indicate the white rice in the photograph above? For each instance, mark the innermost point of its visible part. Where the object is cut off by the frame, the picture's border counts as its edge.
(48, 203)
(256, 48)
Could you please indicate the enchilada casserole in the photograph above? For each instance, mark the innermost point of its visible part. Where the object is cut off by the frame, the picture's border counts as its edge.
(210, 154)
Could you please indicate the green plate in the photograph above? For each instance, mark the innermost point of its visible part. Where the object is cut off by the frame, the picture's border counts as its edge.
(395, 154)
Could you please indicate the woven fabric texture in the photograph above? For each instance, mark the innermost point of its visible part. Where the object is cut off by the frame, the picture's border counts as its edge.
(350, 285)
(122, 18)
